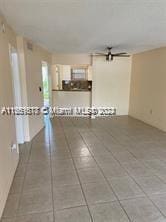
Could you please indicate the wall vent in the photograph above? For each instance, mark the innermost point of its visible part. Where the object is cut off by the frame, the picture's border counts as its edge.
(30, 46)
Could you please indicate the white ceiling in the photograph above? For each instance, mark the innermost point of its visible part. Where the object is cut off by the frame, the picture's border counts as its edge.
(86, 26)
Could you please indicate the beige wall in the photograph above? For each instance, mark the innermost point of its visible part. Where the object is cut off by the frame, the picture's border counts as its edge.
(71, 59)
(8, 159)
(148, 88)
(31, 75)
(21, 54)
(111, 83)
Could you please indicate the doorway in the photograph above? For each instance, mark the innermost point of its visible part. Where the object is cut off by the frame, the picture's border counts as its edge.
(45, 78)
(16, 82)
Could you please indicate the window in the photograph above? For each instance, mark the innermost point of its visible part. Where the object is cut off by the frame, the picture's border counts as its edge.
(78, 73)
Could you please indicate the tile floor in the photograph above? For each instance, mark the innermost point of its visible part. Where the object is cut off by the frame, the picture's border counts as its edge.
(81, 170)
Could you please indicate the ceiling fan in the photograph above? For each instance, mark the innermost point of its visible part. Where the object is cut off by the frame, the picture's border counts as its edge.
(109, 55)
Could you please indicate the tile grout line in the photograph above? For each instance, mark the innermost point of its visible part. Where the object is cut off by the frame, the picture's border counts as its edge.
(77, 175)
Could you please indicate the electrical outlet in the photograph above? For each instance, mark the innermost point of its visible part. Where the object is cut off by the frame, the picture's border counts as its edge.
(14, 147)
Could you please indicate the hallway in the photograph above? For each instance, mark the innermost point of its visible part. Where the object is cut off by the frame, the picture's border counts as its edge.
(81, 170)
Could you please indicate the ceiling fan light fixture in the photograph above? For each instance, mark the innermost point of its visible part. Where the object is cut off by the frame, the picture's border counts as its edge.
(109, 57)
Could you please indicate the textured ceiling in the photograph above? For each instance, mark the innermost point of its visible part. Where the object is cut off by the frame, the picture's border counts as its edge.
(86, 26)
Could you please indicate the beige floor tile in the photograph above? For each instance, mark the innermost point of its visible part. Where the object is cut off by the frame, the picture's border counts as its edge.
(142, 210)
(108, 212)
(17, 185)
(11, 205)
(160, 202)
(136, 168)
(43, 217)
(80, 152)
(90, 175)
(151, 185)
(35, 179)
(65, 179)
(98, 193)
(36, 201)
(85, 162)
(67, 197)
(78, 214)
(21, 170)
(113, 170)
(8, 220)
(125, 188)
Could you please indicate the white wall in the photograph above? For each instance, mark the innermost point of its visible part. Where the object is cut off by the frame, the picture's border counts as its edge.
(111, 83)
(71, 99)
(148, 88)
(90, 74)
(66, 72)
(54, 77)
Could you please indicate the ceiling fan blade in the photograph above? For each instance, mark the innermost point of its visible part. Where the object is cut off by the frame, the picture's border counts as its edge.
(121, 55)
(99, 54)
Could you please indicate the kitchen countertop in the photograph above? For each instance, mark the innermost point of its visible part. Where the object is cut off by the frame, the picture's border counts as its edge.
(75, 90)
